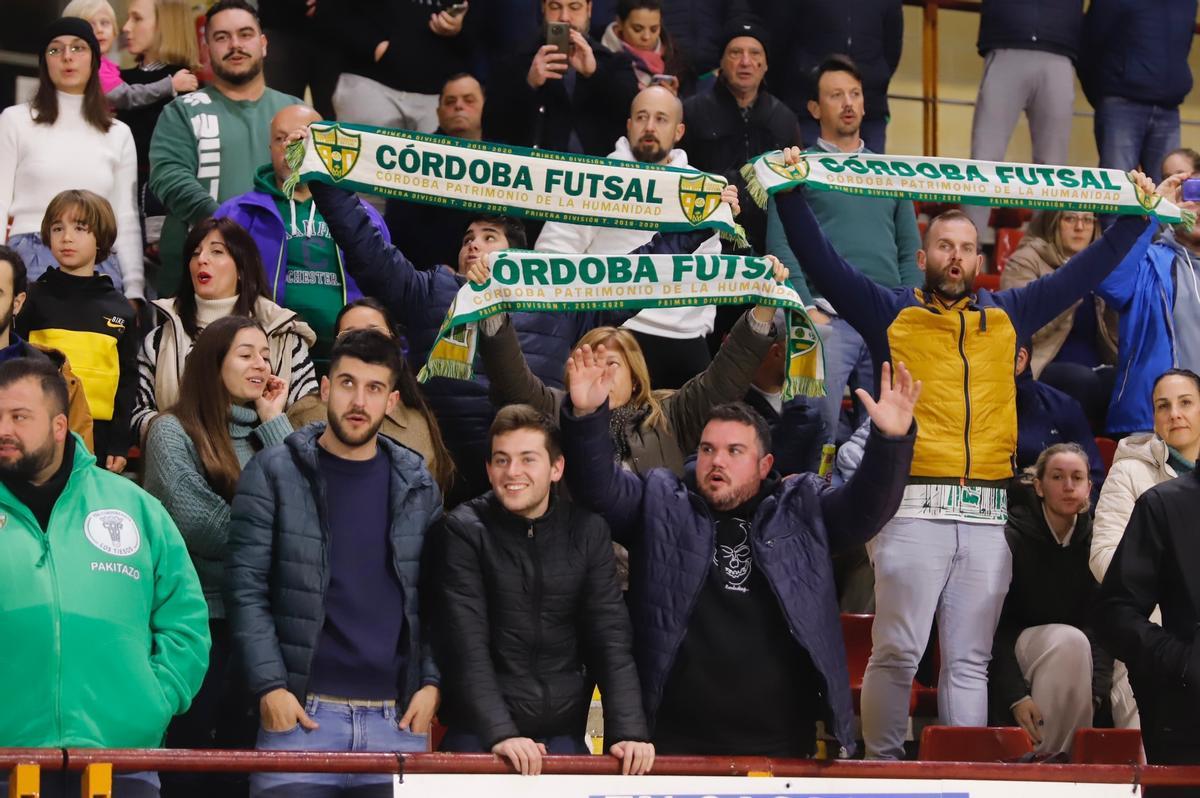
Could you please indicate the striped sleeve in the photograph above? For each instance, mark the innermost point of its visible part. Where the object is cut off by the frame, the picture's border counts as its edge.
(304, 373)
(145, 404)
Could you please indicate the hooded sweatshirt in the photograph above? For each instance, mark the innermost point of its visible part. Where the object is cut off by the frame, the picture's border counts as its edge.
(303, 265)
(689, 322)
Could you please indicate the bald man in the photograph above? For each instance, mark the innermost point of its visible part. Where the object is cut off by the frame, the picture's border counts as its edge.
(302, 262)
(672, 339)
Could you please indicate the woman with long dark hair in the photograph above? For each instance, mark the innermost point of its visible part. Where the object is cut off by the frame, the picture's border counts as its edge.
(410, 422)
(230, 406)
(66, 138)
(226, 280)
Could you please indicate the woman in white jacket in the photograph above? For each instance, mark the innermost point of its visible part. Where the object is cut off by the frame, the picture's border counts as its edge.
(1141, 462)
(66, 137)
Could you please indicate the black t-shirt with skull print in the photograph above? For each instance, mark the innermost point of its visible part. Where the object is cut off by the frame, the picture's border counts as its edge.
(741, 684)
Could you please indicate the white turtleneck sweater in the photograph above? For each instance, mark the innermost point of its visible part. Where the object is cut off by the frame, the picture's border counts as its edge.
(39, 161)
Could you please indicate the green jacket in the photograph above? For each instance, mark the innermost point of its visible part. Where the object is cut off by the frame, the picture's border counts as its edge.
(234, 137)
(104, 617)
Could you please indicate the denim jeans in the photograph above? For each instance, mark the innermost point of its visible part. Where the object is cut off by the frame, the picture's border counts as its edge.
(342, 728)
(1129, 134)
(847, 361)
(38, 259)
(956, 572)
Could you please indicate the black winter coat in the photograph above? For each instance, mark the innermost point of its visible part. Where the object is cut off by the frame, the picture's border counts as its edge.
(669, 530)
(532, 619)
(517, 114)
(1053, 26)
(1050, 584)
(719, 139)
(808, 31)
(278, 552)
(1156, 564)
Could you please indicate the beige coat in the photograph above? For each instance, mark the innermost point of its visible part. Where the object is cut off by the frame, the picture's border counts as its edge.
(1139, 464)
(1035, 258)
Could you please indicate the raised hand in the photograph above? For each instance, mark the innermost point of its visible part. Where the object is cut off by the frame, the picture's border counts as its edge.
(791, 155)
(273, 399)
(730, 196)
(590, 378)
(582, 57)
(779, 273)
(549, 63)
(893, 413)
(184, 81)
(480, 270)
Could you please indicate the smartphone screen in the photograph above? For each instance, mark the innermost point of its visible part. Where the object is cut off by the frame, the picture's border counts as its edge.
(1191, 190)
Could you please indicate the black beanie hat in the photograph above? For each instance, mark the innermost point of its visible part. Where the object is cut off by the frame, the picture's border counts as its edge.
(71, 26)
(746, 26)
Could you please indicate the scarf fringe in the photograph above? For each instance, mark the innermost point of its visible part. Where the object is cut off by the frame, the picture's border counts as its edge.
(441, 367)
(813, 387)
(753, 186)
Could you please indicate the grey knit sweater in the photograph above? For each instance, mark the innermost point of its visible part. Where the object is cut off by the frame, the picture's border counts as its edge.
(175, 476)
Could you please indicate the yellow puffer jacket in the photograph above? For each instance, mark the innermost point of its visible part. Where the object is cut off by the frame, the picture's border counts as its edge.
(967, 413)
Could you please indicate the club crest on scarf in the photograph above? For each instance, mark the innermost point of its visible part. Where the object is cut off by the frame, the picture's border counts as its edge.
(338, 150)
(798, 171)
(699, 196)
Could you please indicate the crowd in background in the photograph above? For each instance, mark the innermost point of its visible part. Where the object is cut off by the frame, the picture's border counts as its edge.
(212, 378)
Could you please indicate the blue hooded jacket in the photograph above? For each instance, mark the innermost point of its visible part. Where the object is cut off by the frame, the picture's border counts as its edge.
(1142, 290)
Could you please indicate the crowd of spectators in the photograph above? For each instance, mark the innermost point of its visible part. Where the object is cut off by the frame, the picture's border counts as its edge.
(290, 544)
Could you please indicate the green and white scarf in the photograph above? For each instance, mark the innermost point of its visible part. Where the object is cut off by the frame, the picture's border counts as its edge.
(534, 282)
(513, 181)
(1066, 188)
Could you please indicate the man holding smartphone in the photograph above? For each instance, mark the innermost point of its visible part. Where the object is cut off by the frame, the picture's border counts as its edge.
(397, 54)
(565, 92)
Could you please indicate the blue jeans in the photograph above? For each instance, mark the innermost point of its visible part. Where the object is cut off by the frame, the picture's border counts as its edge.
(467, 743)
(342, 728)
(38, 259)
(847, 362)
(1129, 134)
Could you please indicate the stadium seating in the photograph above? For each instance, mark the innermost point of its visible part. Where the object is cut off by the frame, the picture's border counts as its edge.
(1108, 747)
(1007, 240)
(1108, 448)
(987, 280)
(973, 744)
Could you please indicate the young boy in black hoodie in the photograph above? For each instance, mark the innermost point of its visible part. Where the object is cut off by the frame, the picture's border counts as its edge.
(80, 313)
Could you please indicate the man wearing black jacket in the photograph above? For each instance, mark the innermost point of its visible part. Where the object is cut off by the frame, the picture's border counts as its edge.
(569, 102)
(738, 119)
(533, 615)
(1156, 564)
(736, 629)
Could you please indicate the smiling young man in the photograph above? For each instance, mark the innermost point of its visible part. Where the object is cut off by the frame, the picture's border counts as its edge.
(944, 555)
(533, 614)
(736, 629)
(323, 571)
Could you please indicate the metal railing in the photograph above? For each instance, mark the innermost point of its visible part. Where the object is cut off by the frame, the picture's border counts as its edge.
(225, 761)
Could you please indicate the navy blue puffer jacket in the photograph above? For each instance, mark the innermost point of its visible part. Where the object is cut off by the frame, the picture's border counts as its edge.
(1138, 50)
(278, 554)
(670, 533)
(1053, 26)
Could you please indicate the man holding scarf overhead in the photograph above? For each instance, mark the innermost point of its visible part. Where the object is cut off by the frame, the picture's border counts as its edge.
(944, 555)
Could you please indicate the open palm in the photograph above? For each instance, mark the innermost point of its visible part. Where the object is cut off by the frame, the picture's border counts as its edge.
(590, 378)
(893, 413)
